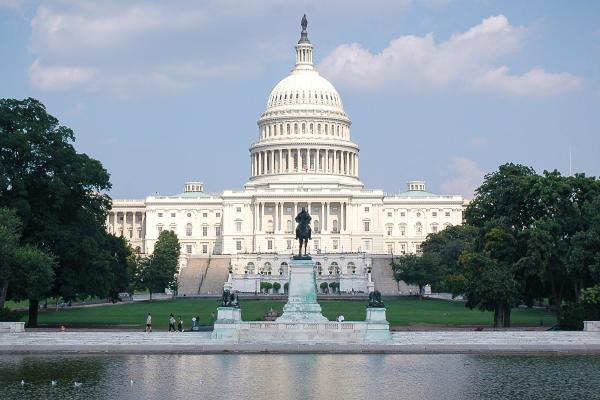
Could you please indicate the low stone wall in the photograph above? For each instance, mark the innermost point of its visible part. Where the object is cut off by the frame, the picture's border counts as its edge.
(230, 327)
(591, 326)
(12, 327)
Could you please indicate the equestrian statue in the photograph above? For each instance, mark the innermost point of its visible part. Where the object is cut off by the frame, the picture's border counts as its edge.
(303, 231)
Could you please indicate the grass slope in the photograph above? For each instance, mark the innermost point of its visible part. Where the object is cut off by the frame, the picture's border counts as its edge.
(400, 311)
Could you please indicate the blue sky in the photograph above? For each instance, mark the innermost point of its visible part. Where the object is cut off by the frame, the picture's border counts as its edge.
(440, 90)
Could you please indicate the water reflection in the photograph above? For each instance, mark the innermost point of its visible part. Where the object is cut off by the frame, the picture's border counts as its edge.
(300, 377)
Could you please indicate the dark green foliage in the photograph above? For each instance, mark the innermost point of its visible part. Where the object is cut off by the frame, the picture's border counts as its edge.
(324, 286)
(276, 286)
(158, 272)
(58, 195)
(420, 270)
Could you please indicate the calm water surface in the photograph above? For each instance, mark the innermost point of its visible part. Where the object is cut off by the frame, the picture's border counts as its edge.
(284, 377)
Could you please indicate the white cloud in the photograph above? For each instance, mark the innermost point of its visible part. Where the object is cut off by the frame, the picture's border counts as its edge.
(93, 26)
(468, 177)
(58, 77)
(465, 59)
(535, 82)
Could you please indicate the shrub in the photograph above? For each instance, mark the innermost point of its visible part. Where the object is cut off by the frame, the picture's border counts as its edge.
(276, 287)
(324, 286)
(286, 286)
(571, 317)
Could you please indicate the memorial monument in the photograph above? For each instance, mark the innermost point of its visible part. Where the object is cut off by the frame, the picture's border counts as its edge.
(302, 295)
(302, 320)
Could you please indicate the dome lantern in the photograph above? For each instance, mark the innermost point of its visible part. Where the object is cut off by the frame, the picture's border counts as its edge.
(304, 48)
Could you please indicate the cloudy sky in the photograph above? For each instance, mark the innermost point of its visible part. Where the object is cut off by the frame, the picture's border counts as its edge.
(440, 90)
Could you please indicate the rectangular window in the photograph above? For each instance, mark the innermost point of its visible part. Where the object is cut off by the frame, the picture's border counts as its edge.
(172, 215)
(366, 226)
(204, 248)
(130, 234)
(316, 245)
(366, 209)
(288, 209)
(390, 248)
(205, 215)
(289, 244)
(402, 231)
(188, 248)
(218, 215)
(238, 226)
(238, 245)
(238, 209)
(389, 214)
(269, 245)
(217, 231)
(447, 213)
(434, 228)
(403, 214)
(434, 214)
(139, 233)
(335, 244)
(205, 231)
(160, 229)
(389, 231)
(367, 245)
(159, 215)
(403, 248)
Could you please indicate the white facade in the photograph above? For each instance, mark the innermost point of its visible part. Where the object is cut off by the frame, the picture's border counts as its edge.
(304, 158)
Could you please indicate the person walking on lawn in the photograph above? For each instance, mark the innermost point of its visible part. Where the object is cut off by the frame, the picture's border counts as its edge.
(149, 323)
(172, 323)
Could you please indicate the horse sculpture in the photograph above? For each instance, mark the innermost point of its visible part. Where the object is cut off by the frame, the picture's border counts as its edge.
(303, 231)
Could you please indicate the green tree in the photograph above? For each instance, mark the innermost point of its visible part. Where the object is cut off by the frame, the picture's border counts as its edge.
(419, 270)
(122, 266)
(324, 286)
(58, 194)
(10, 233)
(158, 272)
(276, 287)
(33, 278)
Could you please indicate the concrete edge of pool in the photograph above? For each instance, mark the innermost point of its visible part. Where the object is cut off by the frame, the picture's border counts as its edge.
(491, 342)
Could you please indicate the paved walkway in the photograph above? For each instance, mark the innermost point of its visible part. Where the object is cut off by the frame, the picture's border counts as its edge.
(402, 342)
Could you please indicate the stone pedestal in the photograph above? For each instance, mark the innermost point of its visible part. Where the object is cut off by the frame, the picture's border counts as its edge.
(226, 325)
(378, 328)
(12, 327)
(302, 303)
(591, 326)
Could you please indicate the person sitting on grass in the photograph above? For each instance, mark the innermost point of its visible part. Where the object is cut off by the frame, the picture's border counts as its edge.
(171, 323)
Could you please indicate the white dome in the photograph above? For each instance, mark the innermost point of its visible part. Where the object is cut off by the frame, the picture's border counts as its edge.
(304, 87)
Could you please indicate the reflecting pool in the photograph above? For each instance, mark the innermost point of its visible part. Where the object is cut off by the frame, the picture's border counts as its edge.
(300, 376)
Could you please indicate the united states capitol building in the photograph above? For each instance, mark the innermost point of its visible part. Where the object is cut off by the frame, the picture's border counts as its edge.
(304, 157)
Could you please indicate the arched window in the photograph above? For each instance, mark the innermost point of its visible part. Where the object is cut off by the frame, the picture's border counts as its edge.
(319, 268)
(283, 268)
(336, 267)
(266, 269)
(288, 129)
(351, 268)
(318, 129)
(326, 130)
(250, 268)
(188, 230)
(418, 228)
(303, 128)
(295, 129)
(311, 129)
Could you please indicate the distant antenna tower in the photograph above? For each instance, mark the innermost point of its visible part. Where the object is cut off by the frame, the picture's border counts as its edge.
(570, 163)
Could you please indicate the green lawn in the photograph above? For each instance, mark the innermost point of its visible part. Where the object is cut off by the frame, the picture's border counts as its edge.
(400, 311)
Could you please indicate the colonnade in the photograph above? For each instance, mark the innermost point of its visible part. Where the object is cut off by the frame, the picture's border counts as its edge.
(129, 224)
(320, 211)
(296, 160)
